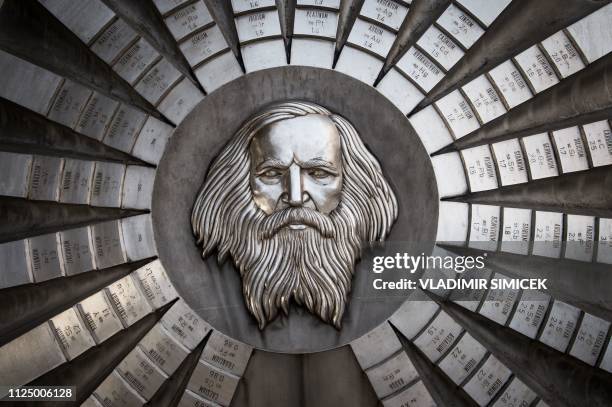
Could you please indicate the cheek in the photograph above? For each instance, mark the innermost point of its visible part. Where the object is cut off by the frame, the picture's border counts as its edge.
(266, 196)
(326, 197)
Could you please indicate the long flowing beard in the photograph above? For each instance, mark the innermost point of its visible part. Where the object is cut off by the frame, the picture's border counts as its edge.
(313, 266)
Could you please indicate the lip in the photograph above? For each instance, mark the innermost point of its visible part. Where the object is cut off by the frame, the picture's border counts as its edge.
(297, 226)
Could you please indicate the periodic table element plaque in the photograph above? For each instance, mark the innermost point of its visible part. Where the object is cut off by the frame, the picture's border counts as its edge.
(375, 346)
(163, 349)
(488, 381)
(100, 317)
(392, 375)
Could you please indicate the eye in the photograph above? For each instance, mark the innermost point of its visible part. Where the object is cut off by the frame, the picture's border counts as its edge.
(319, 173)
(271, 173)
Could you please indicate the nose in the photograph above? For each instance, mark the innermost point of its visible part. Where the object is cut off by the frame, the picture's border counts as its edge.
(294, 189)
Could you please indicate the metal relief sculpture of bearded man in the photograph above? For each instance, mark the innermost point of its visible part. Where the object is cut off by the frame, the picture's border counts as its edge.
(292, 198)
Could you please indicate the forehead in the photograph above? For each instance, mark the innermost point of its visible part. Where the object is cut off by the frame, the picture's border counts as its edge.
(302, 138)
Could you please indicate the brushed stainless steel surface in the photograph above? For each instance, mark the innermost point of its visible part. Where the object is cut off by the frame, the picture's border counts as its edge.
(115, 391)
(420, 69)
(114, 40)
(84, 18)
(579, 237)
(529, 312)
(44, 254)
(359, 64)
(32, 354)
(137, 187)
(76, 250)
(315, 22)
(413, 315)
(484, 227)
(157, 81)
(203, 45)
(73, 335)
(155, 284)
(218, 71)
(258, 25)
(152, 140)
(498, 304)
(479, 166)
(540, 156)
(376, 346)
(320, 3)
(17, 169)
(226, 353)
(516, 394)
(592, 34)
(76, 181)
(431, 129)
(599, 142)
(141, 373)
(387, 12)
(188, 19)
(124, 128)
(484, 98)
(450, 175)
(563, 54)
(510, 162)
(180, 101)
(213, 384)
(400, 91)
(438, 337)
(100, 317)
(453, 223)
(460, 25)
(536, 69)
(517, 230)
(484, 10)
(604, 248)
(138, 240)
(488, 381)
(570, 150)
(161, 347)
(70, 101)
(107, 184)
(312, 52)
(164, 6)
(511, 83)
(185, 325)
(128, 300)
(97, 116)
(15, 264)
(440, 47)
(263, 54)
(415, 395)
(107, 244)
(392, 375)
(136, 60)
(458, 114)
(26, 84)
(240, 6)
(371, 37)
(590, 338)
(190, 399)
(461, 361)
(548, 234)
(560, 325)
(45, 178)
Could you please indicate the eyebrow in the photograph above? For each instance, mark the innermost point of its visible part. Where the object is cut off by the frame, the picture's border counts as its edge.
(318, 162)
(271, 163)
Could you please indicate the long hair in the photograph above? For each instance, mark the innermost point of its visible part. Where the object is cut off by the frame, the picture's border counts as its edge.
(225, 218)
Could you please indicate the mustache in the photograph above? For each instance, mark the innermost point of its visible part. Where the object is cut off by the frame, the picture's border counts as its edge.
(304, 216)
